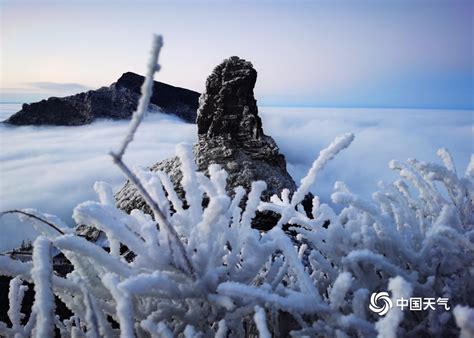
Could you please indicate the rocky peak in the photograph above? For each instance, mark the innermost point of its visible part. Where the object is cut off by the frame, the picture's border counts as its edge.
(229, 134)
(228, 107)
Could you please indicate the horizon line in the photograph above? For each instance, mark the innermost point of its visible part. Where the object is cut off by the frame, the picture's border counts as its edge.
(330, 106)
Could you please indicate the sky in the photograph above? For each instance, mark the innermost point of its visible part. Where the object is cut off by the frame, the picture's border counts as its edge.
(414, 54)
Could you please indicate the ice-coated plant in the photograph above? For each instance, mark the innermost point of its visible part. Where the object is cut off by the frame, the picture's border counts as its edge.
(200, 269)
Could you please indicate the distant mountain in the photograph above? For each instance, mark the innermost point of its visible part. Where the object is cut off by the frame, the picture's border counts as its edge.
(118, 101)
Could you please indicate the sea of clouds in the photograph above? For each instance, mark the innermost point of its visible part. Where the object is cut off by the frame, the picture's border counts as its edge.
(52, 169)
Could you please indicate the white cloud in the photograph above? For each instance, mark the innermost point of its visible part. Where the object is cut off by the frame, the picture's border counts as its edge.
(53, 168)
(381, 135)
(59, 86)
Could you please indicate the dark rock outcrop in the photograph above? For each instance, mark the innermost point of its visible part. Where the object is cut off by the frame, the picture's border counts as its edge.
(230, 134)
(118, 101)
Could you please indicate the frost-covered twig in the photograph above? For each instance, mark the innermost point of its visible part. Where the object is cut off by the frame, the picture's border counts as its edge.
(325, 156)
(261, 321)
(147, 90)
(42, 275)
(32, 216)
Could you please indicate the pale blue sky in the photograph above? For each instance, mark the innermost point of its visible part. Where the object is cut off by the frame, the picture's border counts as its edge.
(382, 53)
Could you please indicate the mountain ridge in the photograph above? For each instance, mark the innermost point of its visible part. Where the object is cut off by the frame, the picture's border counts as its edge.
(117, 101)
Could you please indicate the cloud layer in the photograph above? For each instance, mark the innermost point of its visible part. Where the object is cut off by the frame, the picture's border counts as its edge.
(58, 86)
(52, 169)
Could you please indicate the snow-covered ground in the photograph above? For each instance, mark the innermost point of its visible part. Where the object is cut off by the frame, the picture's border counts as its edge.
(52, 169)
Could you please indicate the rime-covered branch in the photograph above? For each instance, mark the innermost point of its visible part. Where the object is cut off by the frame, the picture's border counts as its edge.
(42, 275)
(34, 217)
(147, 91)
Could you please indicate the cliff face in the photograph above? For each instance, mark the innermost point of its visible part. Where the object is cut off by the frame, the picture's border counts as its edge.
(228, 107)
(230, 134)
(118, 101)
(230, 131)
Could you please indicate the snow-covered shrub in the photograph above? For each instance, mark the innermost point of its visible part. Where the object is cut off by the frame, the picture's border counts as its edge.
(204, 271)
(415, 242)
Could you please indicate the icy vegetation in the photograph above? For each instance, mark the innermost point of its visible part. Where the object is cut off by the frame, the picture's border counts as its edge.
(207, 271)
(199, 269)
